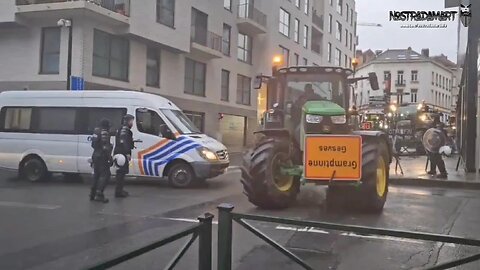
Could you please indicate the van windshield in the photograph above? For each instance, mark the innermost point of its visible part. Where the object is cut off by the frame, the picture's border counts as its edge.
(181, 122)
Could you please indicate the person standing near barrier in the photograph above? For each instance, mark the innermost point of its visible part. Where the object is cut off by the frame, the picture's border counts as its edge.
(101, 160)
(123, 145)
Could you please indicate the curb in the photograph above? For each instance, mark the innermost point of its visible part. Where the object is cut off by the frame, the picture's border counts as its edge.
(421, 182)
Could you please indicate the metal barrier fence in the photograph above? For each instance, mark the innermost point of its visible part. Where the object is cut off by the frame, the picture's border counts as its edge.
(203, 231)
(227, 216)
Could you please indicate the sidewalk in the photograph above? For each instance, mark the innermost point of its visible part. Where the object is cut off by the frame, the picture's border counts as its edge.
(415, 174)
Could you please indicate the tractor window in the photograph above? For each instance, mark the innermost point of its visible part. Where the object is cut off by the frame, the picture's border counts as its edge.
(315, 87)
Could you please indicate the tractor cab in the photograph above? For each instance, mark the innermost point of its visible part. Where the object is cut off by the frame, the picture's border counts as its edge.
(373, 120)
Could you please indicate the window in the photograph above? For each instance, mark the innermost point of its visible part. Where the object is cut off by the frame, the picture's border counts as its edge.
(346, 60)
(166, 12)
(338, 34)
(338, 57)
(305, 36)
(296, 30)
(346, 37)
(400, 77)
(56, 120)
(329, 52)
(349, 62)
(227, 4)
(286, 55)
(340, 7)
(153, 67)
(225, 86)
(347, 9)
(197, 118)
(297, 3)
(227, 30)
(195, 73)
(443, 82)
(110, 56)
(351, 41)
(284, 24)
(16, 119)
(305, 61)
(399, 96)
(386, 75)
(331, 3)
(414, 75)
(433, 78)
(243, 90)
(306, 7)
(351, 18)
(330, 21)
(413, 95)
(149, 122)
(94, 115)
(198, 27)
(436, 79)
(50, 58)
(244, 48)
(297, 59)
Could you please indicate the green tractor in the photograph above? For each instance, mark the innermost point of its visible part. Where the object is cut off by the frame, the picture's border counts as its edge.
(309, 135)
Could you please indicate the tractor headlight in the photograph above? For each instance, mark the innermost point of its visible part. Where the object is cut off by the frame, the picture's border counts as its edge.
(207, 153)
(313, 119)
(340, 119)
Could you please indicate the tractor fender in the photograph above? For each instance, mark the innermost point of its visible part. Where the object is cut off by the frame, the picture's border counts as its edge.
(379, 135)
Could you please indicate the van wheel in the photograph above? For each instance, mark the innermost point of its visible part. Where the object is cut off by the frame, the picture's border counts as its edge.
(33, 170)
(181, 175)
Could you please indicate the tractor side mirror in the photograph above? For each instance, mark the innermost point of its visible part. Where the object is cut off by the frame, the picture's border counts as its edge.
(257, 82)
(372, 77)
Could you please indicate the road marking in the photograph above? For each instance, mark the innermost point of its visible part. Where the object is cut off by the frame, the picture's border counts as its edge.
(189, 220)
(29, 205)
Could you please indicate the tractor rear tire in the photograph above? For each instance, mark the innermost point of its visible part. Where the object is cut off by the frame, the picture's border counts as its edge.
(375, 175)
(261, 179)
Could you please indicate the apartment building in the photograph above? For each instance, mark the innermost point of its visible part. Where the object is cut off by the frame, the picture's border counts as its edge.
(414, 77)
(201, 54)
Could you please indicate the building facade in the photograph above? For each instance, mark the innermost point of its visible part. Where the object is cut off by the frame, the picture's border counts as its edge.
(202, 55)
(415, 77)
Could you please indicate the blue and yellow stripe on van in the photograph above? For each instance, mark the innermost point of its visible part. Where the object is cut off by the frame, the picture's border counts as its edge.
(152, 158)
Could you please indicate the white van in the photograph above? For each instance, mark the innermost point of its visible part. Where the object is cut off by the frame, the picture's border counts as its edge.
(50, 131)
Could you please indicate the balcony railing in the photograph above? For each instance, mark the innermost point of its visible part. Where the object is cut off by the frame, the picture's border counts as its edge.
(118, 6)
(207, 39)
(400, 82)
(317, 19)
(248, 11)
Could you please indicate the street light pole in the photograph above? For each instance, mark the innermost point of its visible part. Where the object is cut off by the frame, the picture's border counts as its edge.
(69, 24)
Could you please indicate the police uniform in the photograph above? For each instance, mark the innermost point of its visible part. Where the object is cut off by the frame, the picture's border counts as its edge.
(101, 160)
(123, 145)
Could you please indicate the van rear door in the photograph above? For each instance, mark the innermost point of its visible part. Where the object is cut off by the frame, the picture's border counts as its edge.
(91, 117)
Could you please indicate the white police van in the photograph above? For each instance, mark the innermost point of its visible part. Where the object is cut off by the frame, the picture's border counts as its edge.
(43, 132)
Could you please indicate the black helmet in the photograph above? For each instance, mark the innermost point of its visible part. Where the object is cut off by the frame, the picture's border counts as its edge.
(127, 118)
(105, 123)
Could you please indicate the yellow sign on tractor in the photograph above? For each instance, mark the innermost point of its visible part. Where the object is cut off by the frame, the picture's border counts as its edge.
(333, 157)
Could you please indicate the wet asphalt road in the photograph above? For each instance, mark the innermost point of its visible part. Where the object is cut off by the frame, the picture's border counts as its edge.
(53, 226)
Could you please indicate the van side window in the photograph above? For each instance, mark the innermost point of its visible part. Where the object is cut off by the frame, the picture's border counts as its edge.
(56, 120)
(149, 122)
(16, 119)
(114, 115)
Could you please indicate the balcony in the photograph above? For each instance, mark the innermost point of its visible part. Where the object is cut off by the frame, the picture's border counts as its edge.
(400, 83)
(107, 11)
(251, 21)
(205, 44)
(317, 20)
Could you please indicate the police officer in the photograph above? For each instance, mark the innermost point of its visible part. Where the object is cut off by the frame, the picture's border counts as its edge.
(123, 145)
(101, 160)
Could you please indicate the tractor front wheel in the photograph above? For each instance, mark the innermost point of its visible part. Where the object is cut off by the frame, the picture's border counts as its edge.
(263, 182)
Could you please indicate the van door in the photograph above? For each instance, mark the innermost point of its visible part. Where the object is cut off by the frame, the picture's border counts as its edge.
(91, 118)
(152, 151)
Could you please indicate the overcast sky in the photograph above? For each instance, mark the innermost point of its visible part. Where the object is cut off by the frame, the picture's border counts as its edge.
(391, 36)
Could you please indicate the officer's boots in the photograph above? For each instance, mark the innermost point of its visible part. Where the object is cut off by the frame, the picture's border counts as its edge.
(99, 197)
